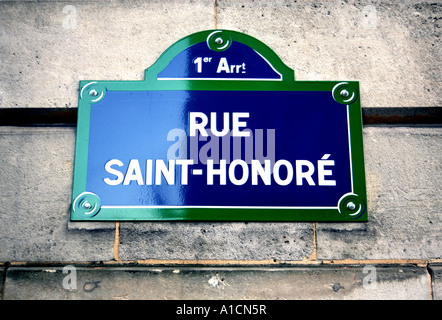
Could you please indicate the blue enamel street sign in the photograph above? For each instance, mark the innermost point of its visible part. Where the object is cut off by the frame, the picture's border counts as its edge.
(219, 130)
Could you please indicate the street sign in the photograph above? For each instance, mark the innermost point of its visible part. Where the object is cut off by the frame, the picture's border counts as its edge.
(219, 130)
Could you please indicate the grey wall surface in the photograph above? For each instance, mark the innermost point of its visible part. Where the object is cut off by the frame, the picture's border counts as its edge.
(218, 283)
(391, 47)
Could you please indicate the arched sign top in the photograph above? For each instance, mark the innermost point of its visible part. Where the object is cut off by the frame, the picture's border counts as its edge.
(219, 55)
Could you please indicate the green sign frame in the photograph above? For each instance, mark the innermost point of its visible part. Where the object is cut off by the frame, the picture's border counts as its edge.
(86, 206)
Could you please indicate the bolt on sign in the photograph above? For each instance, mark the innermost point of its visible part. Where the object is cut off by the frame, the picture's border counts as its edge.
(219, 130)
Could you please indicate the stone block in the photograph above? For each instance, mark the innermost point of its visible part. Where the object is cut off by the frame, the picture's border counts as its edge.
(36, 170)
(403, 172)
(188, 283)
(391, 47)
(48, 47)
(215, 240)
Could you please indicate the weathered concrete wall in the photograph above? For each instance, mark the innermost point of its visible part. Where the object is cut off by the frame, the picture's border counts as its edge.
(51, 45)
(391, 47)
(219, 283)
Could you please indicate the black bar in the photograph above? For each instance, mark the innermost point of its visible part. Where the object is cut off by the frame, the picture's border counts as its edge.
(217, 309)
(38, 117)
(419, 115)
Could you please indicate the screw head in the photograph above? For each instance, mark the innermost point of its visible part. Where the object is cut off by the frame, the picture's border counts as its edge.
(87, 205)
(219, 41)
(351, 206)
(93, 93)
(344, 93)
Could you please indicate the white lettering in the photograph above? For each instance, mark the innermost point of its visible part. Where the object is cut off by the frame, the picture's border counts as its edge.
(265, 173)
(148, 172)
(168, 173)
(213, 126)
(184, 169)
(223, 66)
(221, 172)
(257, 169)
(245, 172)
(109, 169)
(133, 173)
(304, 175)
(237, 124)
(322, 172)
(276, 176)
(194, 126)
